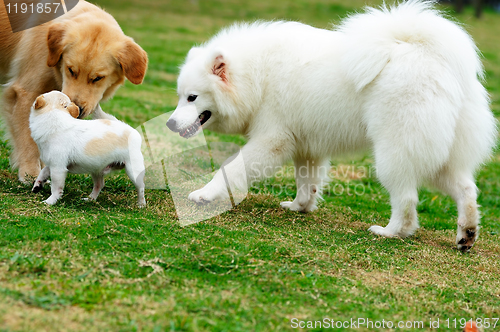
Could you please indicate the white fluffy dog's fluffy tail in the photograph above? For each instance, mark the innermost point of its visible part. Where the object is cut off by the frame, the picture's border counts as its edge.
(374, 35)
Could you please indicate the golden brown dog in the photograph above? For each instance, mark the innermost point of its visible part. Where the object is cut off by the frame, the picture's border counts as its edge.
(83, 53)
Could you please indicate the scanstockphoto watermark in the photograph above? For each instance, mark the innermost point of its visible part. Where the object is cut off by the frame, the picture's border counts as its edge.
(367, 323)
(334, 180)
(181, 166)
(356, 323)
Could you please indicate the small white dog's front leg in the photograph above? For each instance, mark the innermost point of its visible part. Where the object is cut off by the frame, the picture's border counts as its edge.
(41, 179)
(58, 177)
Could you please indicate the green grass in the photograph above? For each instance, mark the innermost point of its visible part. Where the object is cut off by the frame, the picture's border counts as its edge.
(108, 266)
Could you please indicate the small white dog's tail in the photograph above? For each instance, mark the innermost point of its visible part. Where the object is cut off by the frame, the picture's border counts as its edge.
(372, 37)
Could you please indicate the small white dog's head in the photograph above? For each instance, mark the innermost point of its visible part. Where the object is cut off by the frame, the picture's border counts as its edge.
(202, 80)
(54, 100)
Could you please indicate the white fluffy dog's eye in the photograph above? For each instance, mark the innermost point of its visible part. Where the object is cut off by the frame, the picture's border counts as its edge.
(192, 98)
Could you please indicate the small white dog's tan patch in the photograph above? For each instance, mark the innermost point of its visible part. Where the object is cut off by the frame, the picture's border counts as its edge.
(73, 110)
(40, 102)
(105, 121)
(109, 142)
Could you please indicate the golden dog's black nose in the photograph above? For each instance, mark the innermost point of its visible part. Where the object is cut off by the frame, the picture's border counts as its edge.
(80, 109)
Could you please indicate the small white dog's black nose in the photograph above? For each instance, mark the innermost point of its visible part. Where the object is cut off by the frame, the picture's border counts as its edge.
(172, 125)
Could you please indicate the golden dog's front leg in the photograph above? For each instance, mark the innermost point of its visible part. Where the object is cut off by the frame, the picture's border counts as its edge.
(25, 155)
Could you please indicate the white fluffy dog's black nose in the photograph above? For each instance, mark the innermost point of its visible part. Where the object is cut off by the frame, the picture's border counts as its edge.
(172, 125)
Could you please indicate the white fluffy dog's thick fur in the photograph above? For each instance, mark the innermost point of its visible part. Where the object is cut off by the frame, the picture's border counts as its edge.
(401, 81)
(95, 147)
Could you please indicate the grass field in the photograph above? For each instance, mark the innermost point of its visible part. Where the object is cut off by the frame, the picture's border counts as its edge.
(108, 266)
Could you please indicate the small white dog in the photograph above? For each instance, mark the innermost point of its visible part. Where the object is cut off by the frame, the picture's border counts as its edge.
(93, 147)
(401, 81)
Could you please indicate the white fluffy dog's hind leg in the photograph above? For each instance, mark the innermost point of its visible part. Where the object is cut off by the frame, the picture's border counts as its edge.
(403, 220)
(462, 189)
(310, 176)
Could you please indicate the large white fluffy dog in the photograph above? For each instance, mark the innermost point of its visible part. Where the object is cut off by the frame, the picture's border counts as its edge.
(402, 81)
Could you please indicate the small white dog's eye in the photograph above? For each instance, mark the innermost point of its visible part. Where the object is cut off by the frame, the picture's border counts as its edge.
(192, 98)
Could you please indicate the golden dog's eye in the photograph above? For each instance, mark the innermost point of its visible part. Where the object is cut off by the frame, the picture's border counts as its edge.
(97, 79)
(71, 72)
(192, 98)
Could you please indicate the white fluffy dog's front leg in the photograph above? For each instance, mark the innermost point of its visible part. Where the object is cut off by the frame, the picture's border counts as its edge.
(213, 191)
(252, 164)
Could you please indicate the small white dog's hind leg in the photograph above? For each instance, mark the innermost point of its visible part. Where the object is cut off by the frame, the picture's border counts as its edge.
(310, 176)
(58, 177)
(463, 190)
(98, 185)
(138, 181)
(41, 179)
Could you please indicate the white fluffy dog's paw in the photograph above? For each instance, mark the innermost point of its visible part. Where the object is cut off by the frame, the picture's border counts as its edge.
(199, 197)
(466, 238)
(382, 231)
(204, 196)
(294, 206)
(290, 206)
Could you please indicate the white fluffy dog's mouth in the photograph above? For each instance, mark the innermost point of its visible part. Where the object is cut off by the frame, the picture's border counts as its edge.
(193, 129)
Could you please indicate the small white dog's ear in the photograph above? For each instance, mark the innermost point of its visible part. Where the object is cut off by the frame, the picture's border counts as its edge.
(219, 67)
(40, 102)
(73, 110)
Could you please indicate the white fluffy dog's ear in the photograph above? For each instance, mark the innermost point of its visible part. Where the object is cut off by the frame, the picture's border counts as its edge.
(40, 102)
(193, 53)
(219, 67)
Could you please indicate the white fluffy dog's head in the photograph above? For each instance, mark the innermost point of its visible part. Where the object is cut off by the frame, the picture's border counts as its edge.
(205, 88)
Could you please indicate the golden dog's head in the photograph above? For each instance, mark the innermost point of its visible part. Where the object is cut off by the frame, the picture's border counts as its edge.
(93, 57)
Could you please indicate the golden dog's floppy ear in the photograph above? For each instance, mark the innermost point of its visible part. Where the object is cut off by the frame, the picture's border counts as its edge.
(40, 102)
(219, 67)
(134, 61)
(73, 110)
(55, 44)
